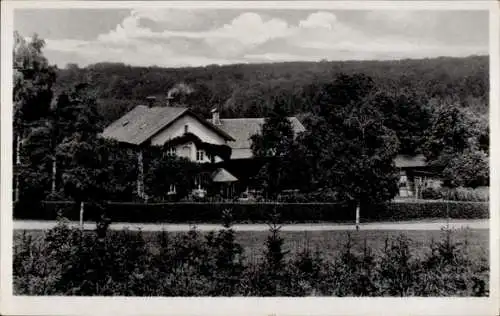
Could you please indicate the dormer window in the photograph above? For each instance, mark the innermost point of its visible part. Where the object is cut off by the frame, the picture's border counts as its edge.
(143, 126)
(125, 123)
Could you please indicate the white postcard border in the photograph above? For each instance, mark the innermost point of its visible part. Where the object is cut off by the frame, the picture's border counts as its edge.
(19, 305)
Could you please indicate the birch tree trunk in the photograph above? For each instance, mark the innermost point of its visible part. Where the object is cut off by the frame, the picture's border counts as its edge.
(81, 214)
(18, 163)
(54, 173)
(357, 216)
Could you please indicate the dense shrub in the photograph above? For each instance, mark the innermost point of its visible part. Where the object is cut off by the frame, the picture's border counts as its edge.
(255, 212)
(68, 262)
(397, 268)
(479, 194)
(448, 268)
(350, 274)
(431, 194)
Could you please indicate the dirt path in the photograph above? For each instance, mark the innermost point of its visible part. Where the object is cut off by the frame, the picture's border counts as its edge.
(420, 225)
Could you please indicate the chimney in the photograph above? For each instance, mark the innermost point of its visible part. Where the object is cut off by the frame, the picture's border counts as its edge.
(151, 101)
(215, 116)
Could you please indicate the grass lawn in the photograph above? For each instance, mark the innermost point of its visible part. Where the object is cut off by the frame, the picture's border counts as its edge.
(330, 242)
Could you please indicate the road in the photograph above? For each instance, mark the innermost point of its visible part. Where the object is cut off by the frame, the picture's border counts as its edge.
(416, 225)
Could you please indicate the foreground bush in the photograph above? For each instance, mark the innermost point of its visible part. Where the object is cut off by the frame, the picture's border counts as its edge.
(256, 212)
(71, 262)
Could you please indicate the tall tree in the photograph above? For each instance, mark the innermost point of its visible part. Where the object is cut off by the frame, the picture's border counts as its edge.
(457, 146)
(75, 112)
(273, 145)
(449, 132)
(87, 174)
(32, 91)
(348, 148)
(84, 157)
(34, 173)
(407, 114)
(467, 169)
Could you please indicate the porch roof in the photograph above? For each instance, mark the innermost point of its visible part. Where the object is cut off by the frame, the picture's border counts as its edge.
(222, 175)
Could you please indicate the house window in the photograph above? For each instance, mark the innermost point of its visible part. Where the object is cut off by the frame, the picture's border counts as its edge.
(200, 155)
(171, 151)
(186, 129)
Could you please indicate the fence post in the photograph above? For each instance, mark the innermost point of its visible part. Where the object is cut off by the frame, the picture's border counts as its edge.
(357, 216)
(81, 215)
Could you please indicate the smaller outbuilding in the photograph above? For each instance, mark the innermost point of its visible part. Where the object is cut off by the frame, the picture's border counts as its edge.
(415, 176)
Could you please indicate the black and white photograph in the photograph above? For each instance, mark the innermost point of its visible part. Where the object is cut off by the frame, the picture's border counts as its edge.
(232, 151)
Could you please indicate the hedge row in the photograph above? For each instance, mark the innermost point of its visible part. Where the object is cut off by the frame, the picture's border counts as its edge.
(256, 212)
(419, 210)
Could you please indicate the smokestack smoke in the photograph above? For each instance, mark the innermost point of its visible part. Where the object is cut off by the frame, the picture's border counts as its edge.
(177, 89)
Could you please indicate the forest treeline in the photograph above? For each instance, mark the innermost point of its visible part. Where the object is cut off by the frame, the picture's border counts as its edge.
(248, 90)
(358, 117)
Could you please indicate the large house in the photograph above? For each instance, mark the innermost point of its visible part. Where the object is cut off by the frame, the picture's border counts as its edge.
(193, 137)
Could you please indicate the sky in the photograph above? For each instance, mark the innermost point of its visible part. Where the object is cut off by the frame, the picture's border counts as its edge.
(199, 37)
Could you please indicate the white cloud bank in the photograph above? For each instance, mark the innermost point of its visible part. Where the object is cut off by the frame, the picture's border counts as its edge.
(249, 37)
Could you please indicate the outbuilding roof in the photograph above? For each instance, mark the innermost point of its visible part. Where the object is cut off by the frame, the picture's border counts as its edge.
(407, 161)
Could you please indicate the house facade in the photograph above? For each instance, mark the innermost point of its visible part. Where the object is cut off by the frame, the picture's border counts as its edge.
(191, 137)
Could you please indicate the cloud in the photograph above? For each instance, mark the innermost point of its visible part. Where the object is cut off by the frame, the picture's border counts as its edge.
(319, 20)
(404, 19)
(178, 37)
(181, 19)
(127, 30)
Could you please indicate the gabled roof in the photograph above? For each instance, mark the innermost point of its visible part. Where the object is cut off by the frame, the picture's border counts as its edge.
(243, 128)
(407, 161)
(143, 122)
